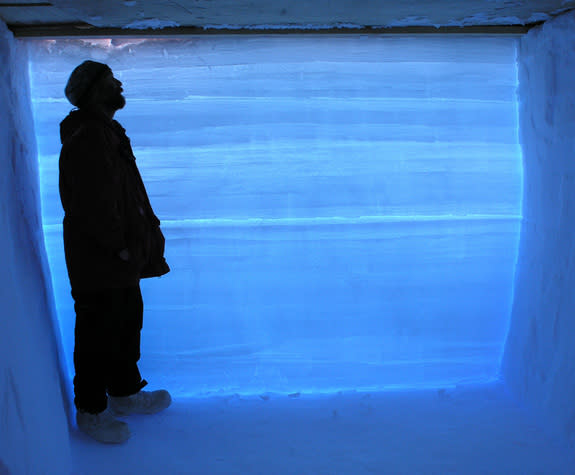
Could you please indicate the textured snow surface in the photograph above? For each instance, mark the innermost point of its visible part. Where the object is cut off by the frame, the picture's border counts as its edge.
(540, 356)
(290, 26)
(33, 429)
(317, 14)
(341, 212)
(152, 23)
(464, 431)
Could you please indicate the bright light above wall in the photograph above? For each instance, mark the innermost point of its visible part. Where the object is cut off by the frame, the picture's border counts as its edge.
(342, 212)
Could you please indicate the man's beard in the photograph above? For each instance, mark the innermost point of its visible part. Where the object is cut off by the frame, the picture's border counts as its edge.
(116, 102)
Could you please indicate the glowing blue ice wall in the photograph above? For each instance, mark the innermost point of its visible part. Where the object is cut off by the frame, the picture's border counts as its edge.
(341, 211)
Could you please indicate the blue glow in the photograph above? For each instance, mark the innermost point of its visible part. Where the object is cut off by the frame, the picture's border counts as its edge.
(342, 212)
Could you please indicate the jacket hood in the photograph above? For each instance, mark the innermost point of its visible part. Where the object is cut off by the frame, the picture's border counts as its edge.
(70, 125)
(75, 120)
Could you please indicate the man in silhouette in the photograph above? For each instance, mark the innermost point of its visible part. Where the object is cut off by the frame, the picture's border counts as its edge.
(112, 239)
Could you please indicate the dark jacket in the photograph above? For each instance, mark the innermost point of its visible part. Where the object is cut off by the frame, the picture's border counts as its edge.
(106, 207)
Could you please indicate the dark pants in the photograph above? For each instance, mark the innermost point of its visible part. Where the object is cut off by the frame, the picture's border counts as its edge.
(107, 348)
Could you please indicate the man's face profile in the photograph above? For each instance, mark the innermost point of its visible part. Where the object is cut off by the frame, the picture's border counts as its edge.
(109, 92)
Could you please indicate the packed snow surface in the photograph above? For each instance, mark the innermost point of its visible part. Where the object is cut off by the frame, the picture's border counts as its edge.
(539, 364)
(30, 391)
(469, 431)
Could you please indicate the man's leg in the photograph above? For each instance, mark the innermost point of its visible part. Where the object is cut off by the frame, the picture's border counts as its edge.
(92, 332)
(125, 383)
(123, 377)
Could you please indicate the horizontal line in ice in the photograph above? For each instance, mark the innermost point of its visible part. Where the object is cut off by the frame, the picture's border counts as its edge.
(425, 150)
(269, 98)
(314, 392)
(277, 359)
(334, 220)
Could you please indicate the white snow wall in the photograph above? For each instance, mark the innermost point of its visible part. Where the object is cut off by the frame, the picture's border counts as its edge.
(33, 424)
(539, 361)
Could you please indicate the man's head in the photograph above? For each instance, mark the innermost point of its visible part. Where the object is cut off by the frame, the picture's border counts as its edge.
(93, 84)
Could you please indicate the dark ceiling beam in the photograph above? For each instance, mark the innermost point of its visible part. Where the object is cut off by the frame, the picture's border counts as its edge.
(89, 31)
(21, 5)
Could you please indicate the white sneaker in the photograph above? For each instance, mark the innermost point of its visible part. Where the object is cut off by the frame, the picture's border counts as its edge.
(143, 402)
(103, 427)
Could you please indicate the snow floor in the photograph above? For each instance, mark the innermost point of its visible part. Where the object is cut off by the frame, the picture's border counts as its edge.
(467, 430)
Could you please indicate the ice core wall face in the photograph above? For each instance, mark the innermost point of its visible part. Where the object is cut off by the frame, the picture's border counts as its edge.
(341, 211)
(539, 361)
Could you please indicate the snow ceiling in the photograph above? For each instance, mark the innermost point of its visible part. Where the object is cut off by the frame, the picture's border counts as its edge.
(161, 14)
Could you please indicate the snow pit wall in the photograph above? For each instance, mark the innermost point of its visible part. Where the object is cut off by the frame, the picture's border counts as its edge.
(33, 424)
(341, 212)
(539, 361)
